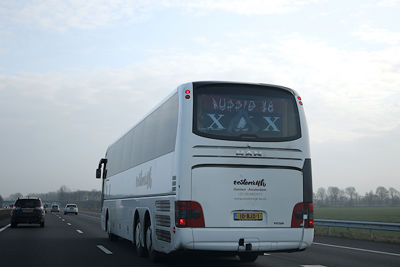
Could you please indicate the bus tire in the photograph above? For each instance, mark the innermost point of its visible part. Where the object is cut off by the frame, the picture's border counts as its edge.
(111, 236)
(153, 254)
(138, 238)
(248, 257)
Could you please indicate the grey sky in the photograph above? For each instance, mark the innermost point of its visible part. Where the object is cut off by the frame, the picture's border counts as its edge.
(73, 77)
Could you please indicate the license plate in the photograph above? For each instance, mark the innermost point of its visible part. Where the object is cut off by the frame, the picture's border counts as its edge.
(247, 216)
(28, 211)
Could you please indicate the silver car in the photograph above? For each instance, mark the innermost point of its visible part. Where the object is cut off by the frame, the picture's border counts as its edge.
(71, 208)
(55, 208)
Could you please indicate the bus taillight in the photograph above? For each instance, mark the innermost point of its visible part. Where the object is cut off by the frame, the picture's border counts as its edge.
(303, 212)
(188, 214)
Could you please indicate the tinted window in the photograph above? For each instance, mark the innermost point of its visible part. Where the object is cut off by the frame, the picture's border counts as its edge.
(245, 113)
(28, 203)
(151, 138)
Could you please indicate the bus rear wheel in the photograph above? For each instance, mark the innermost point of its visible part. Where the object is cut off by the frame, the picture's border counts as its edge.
(111, 236)
(138, 238)
(153, 255)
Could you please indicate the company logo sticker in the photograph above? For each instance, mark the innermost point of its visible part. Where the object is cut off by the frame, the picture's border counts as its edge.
(144, 179)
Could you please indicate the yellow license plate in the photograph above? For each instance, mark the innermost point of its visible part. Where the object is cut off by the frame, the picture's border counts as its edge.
(28, 211)
(247, 216)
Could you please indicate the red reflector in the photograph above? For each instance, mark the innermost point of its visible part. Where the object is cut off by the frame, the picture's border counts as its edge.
(187, 96)
(187, 91)
(182, 222)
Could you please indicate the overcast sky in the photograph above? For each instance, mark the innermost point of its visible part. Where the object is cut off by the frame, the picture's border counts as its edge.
(75, 75)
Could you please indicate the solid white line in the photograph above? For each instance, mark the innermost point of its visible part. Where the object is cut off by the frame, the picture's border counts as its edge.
(79, 231)
(104, 249)
(266, 254)
(4, 228)
(68, 223)
(358, 249)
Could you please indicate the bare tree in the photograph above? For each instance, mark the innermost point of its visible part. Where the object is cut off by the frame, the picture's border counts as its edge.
(351, 193)
(321, 195)
(394, 196)
(370, 198)
(14, 197)
(333, 194)
(62, 193)
(382, 193)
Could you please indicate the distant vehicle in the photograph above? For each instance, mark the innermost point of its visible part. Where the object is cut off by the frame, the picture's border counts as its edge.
(55, 208)
(71, 208)
(216, 166)
(27, 210)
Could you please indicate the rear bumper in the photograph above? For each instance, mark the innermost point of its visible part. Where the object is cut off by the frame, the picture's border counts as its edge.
(33, 219)
(261, 239)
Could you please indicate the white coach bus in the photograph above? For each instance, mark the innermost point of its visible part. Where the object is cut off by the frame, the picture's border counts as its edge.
(217, 166)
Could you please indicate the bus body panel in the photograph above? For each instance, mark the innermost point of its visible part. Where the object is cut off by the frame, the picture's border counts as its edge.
(150, 178)
(228, 192)
(227, 239)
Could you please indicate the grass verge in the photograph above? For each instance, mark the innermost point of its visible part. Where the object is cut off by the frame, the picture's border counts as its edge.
(375, 214)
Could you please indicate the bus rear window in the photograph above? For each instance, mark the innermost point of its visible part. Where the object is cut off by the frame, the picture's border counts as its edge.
(245, 113)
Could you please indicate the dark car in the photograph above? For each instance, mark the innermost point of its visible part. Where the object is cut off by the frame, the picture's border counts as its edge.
(27, 210)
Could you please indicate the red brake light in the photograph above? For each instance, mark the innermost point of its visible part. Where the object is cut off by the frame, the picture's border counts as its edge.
(188, 214)
(299, 98)
(299, 210)
(14, 207)
(187, 91)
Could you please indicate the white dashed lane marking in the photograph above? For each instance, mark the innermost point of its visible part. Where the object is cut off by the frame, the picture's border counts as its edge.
(104, 249)
(358, 249)
(68, 223)
(4, 228)
(79, 231)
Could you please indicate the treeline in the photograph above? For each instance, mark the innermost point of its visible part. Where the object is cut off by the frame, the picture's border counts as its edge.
(349, 197)
(331, 197)
(83, 198)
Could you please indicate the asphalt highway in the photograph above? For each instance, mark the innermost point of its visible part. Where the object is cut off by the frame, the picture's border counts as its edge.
(70, 240)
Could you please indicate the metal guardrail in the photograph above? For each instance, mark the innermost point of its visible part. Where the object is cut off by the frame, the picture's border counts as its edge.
(358, 224)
